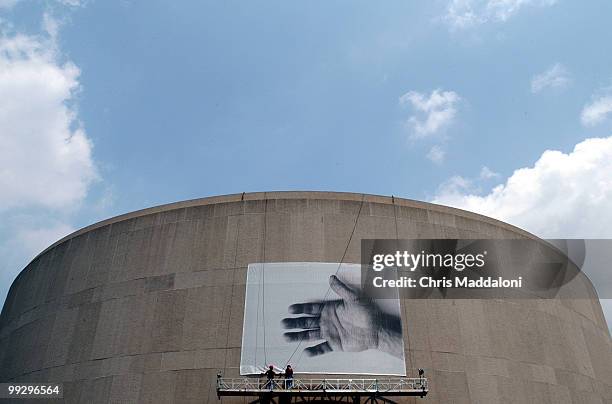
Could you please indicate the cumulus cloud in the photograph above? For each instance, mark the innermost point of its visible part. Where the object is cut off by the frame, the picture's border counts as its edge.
(46, 164)
(36, 239)
(455, 185)
(562, 195)
(45, 154)
(467, 13)
(486, 173)
(556, 76)
(596, 111)
(433, 113)
(436, 154)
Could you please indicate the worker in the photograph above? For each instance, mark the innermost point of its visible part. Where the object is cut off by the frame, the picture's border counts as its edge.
(288, 377)
(270, 376)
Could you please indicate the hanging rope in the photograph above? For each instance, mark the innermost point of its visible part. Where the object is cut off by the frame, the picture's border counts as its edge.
(336, 273)
(234, 269)
(397, 249)
(263, 278)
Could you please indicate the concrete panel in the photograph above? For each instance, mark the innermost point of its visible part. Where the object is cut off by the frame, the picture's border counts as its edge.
(206, 329)
(293, 237)
(117, 290)
(109, 327)
(221, 277)
(450, 387)
(88, 370)
(213, 245)
(336, 232)
(125, 388)
(134, 255)
(446, 361)
(178, 360)
(214, 358)
(146, 363)
(192, 386)
(248, 240)
(96, 390)
(79, 264)
(443, 326)
(179, 257)
(414, 324)
(59, 265)
(158, 387)
(236, 318)
(57, 351)
(483, 389)
(84, 333)
(600, 357)
(482, 365)
(157, 283)
(133, 318)
(473, 328)
(201, 212)
(166, 329)
(72, 391)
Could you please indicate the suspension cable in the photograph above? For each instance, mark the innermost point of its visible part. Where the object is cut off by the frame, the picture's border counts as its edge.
(397, 249)
(263, 278)
(336, 273)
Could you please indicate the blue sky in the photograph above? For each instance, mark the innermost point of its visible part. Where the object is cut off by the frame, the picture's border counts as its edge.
(504, 108)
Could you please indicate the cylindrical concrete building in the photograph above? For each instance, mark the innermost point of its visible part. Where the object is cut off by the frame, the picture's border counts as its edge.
(149, 306)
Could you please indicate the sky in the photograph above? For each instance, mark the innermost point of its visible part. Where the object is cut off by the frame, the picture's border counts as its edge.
(502, 107)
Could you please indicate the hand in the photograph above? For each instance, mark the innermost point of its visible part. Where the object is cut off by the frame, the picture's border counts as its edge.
(349, 324)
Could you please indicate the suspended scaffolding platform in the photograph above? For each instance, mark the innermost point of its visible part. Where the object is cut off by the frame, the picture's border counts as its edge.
(300, 390)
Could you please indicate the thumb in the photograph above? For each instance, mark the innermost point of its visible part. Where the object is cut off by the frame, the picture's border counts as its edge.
(341, 289)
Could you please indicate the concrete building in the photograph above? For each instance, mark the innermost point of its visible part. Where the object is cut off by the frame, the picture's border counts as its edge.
(148, 306)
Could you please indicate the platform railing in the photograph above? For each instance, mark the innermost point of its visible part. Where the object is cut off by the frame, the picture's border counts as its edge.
(389, 386)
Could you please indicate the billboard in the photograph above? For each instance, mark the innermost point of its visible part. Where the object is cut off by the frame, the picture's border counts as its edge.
(312, 315)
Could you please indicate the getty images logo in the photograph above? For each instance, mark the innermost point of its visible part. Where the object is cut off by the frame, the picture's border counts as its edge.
(411, 261)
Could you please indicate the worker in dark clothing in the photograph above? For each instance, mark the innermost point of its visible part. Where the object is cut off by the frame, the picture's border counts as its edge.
(288, 377)
(270, 376)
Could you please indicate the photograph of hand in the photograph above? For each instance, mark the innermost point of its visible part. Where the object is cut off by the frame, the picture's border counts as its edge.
(315, 317)
(348, 324)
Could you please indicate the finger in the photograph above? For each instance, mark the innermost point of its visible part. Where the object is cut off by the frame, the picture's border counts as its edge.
(301, 322)
(306, 308)
(308, 335)
(341, 289)
(318, 349)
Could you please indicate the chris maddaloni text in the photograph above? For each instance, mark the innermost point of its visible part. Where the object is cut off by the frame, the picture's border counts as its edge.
(457, 282)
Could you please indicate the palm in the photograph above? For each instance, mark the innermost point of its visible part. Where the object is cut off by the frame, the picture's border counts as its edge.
(349, 326)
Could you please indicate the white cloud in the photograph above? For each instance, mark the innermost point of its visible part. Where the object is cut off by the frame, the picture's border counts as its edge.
(455, 185)
(36, 239)
(46, 165)
(72, 3)
(561, 195)
(467, 13)
(597, 111)
(45, 154)
(556, 76)
(51, 26)
(22, 237)
(436, 154)
(436, 112)
(486, 173)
